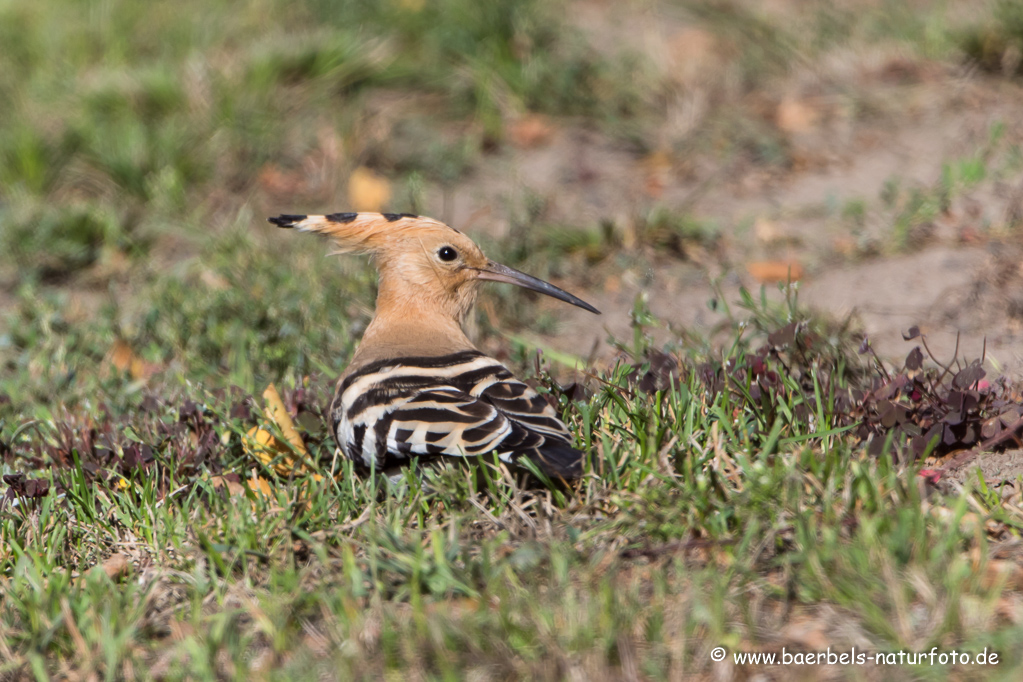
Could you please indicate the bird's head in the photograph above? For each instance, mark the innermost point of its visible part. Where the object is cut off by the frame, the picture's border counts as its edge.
(424, 264)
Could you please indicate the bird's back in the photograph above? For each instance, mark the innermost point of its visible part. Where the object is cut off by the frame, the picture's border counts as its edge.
(461, 404)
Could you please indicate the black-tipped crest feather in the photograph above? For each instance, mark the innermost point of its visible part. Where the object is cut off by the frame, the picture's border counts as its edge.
(286, 220)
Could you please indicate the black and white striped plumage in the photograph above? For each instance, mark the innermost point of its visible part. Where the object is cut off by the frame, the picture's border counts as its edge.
(462, 404)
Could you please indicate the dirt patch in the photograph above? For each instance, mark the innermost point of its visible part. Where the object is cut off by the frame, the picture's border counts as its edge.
(842, 206)
(1001, 471)
(891, 295)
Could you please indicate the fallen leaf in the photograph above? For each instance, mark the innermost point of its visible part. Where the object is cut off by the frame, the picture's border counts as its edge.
(261, 444)
(124, 359)
(368, 191)
(845, 246)
(280, 415)
(767, 231)
(530, 131)
(767, 272)
(260, 486)
(233, 487)
(794, 116)
(121, 355)
(116, 566)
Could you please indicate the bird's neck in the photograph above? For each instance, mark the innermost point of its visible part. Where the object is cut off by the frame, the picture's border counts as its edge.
(410, 325)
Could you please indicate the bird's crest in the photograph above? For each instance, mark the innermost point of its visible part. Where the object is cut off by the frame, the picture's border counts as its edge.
(362, 232)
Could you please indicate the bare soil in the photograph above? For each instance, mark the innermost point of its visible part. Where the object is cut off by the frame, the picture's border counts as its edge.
(851, 126)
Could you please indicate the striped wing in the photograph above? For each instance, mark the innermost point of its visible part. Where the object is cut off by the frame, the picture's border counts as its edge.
(464, 404)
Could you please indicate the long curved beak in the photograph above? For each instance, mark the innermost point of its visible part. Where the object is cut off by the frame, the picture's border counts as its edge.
(495, 272)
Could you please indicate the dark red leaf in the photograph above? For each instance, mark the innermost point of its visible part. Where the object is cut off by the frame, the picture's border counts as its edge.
(906, 427)
(189, 409)
(242, 411)
(954, 400)
(969, 435)
(662, 372)
(954, 418)
(783, 336)
(886, 410)
(991, 427)
(968, 376)
(1010, 416)
(915, 359)
(27, 487)
(576, 392)
(948, 437)
(913, 332)
(885, 392)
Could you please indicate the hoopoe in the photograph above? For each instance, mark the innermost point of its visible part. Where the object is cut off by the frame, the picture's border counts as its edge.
(416, 385)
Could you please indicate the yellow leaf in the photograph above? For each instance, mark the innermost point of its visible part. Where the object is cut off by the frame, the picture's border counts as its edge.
(260, 486)
(233, 488)
(368, 191)
(281, 417)
(263, 446)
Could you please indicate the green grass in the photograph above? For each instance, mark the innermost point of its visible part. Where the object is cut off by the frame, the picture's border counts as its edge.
(121, 123)
(706, 517)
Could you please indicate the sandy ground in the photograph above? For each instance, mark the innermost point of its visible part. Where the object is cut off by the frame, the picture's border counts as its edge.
(959, 276)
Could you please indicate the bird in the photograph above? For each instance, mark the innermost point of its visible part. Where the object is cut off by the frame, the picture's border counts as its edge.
(416, 386)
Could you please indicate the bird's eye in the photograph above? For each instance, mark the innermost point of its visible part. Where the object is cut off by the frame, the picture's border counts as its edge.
(447, 253)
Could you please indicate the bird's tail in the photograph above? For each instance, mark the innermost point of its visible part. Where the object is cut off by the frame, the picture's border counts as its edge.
(557, 460)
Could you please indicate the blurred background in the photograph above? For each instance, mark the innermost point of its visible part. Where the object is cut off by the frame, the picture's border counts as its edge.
(652, 156)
